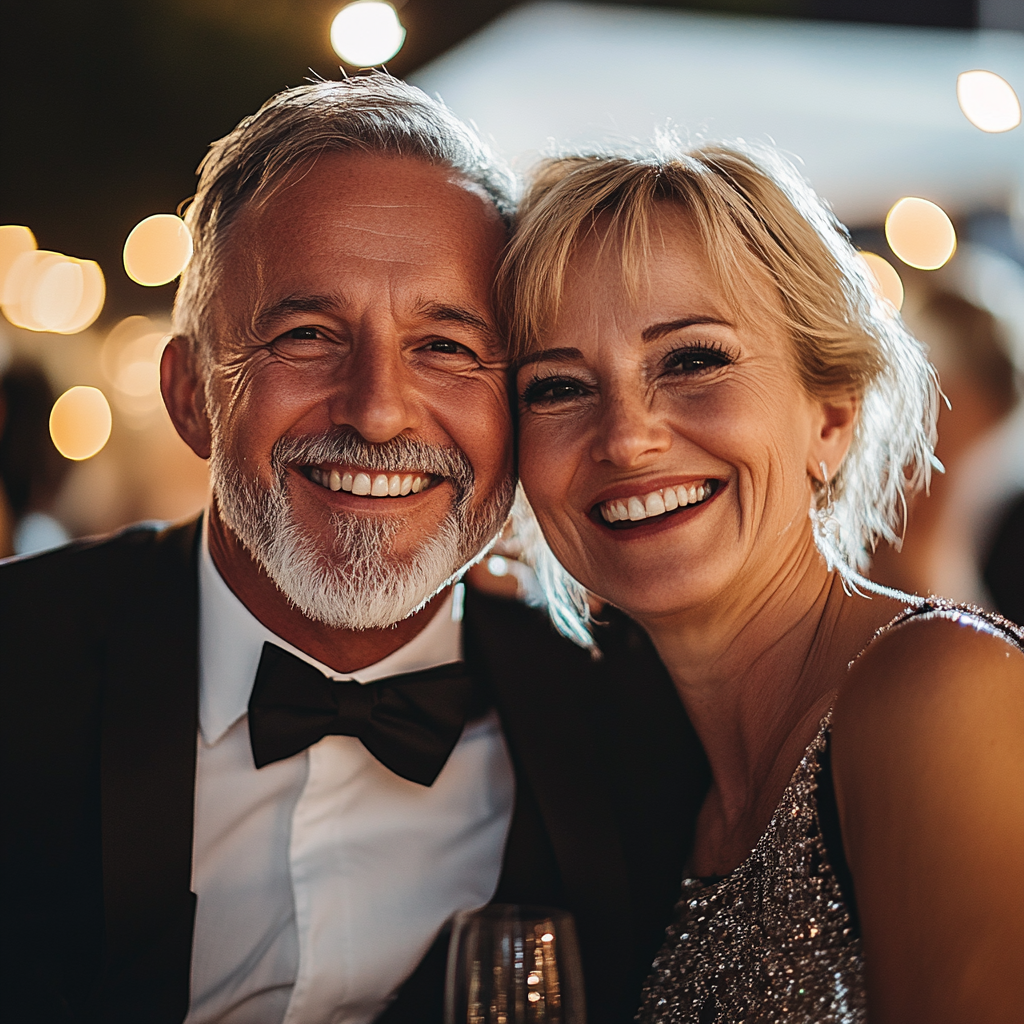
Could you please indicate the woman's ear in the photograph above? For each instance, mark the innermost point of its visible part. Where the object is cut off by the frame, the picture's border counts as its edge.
(833, 432)
(184, 391)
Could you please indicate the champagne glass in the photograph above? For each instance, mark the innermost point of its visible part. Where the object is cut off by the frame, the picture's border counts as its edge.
(510, 964)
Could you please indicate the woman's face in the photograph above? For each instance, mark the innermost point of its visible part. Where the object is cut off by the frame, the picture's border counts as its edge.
(666, 441)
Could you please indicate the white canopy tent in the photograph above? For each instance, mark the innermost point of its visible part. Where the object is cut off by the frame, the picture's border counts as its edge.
(870, 110)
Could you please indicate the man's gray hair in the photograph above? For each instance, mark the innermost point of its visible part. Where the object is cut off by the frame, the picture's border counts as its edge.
(370, 113)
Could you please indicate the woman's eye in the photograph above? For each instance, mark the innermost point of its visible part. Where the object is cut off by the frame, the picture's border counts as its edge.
(551, 389)
(698, 359)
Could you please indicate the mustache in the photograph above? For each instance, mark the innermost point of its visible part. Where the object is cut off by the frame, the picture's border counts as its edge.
(398, 455)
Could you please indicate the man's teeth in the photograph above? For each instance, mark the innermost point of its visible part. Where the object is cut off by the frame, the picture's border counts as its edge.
(374, 485)
(646, 506)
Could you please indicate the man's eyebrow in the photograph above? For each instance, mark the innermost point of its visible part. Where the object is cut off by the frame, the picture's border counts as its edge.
(269, 315)
(439, 312)
(548, 355)
(656, 331)
(443, 313)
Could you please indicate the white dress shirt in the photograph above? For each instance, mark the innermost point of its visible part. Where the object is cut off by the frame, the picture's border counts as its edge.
(324, 878)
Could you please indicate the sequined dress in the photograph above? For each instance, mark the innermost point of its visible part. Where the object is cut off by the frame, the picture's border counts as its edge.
(776, 941)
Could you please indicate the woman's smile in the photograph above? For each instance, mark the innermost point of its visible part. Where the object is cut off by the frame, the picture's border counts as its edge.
(637, 509)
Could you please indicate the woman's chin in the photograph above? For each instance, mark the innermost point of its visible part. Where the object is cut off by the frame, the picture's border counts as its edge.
(653, 593)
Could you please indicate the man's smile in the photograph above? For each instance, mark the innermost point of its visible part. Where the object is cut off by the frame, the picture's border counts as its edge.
(369, 482)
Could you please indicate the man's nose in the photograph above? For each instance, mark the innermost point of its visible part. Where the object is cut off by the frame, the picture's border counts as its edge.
(376, 394)
(629, 431)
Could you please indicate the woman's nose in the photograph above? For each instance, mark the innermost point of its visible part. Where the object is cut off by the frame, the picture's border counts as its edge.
(629, 431)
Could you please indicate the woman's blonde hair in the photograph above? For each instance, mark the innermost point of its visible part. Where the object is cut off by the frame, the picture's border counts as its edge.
(754, 216)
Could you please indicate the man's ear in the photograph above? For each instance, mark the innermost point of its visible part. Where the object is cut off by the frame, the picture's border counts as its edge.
(833, 432)
(184, 394)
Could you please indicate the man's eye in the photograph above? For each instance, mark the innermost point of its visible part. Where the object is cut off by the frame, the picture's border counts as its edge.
(551, 389)
(301, 334)
(448, 347)
(697, 359)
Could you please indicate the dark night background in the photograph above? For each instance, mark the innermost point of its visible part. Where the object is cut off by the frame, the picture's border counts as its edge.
(108, 105)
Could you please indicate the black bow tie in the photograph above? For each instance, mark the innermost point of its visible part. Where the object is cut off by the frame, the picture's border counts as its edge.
(409, 722)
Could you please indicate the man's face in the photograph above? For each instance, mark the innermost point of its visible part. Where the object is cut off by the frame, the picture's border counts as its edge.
(357, 393)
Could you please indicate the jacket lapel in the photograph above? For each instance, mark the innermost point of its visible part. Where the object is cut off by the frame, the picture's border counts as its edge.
(539, 683)
(148, 751)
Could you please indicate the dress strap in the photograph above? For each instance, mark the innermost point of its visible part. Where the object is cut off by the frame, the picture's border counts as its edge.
(967, 614)
(832, 835)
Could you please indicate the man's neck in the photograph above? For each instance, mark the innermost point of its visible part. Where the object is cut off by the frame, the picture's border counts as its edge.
(344, 650)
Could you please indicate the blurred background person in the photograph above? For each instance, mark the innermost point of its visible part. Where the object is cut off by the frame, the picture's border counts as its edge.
(978, 378)
(32, 471)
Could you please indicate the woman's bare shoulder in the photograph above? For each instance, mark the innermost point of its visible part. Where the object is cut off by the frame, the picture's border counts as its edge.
(932, 691)
(931, 668)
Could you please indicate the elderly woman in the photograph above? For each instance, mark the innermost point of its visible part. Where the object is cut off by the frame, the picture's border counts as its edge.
(701, 361)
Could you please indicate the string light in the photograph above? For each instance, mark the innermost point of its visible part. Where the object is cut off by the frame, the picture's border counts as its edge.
(920, 233)
(157, 250)
(367, 33)
(15, 239)
(130, 360)
(80, 423)
(48, 291)
(987, 101)
(887, 280)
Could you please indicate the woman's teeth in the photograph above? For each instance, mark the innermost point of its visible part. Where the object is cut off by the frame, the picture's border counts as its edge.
(373, 485)
(646, 506)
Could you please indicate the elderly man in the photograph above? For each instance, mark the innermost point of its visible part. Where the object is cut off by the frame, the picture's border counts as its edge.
(254, 763)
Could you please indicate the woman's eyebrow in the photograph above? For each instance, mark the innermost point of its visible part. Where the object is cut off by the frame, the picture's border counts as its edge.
(656, 331)
(548, 355)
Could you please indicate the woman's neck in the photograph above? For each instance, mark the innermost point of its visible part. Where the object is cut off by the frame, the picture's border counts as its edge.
(756, 673)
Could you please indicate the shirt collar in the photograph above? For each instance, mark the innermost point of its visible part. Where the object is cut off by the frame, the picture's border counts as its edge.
(231, 641)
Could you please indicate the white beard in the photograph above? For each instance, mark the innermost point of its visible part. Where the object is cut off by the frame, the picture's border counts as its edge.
(354, 581)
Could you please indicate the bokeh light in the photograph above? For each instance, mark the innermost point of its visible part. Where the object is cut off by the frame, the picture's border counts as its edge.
(987, 101)
(94, 294)
(15, 239)
(68, 296)
(157, 250)
(20, 283)
(48, 291)
(80, 423)
(367, 33)
(58, 292)
(887, 280)
(920, 233)
(130, 361)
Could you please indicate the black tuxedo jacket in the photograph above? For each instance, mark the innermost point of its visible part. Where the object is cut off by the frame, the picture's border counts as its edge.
(98, 726)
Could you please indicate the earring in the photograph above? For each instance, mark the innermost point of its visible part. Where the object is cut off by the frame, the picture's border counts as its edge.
(827, 484)
(825, 523)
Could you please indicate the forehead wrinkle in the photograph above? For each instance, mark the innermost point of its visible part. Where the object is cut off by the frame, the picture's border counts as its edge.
(391, 206)
(396, 260)
(378, 231)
